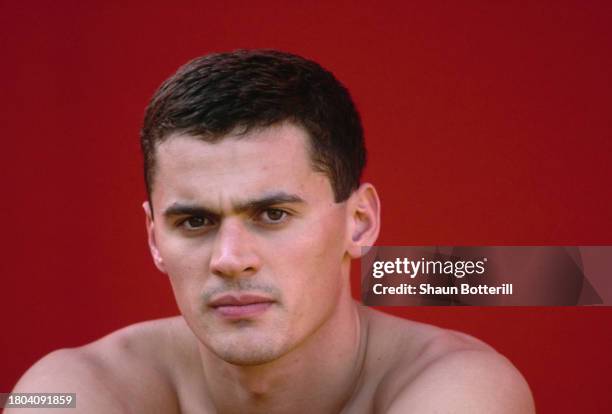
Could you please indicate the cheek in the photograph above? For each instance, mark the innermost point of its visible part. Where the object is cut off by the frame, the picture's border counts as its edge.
(186, 266)
(313, 259)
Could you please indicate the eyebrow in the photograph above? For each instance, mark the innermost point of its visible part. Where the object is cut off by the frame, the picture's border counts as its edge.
(182, 209)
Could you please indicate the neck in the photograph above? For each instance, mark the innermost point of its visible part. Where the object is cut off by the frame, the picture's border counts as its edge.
(319, 375)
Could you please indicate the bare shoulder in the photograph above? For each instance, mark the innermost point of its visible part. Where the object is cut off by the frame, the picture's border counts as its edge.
(125, 371)
(430, 369)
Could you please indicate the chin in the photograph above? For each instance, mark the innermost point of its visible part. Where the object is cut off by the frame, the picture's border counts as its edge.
(249, 355)
(248, 359)
(248, 351)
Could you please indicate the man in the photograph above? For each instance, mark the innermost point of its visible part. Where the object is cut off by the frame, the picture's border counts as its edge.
(252, 163)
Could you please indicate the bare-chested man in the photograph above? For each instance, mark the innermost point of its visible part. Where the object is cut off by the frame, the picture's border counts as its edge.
(253, 162)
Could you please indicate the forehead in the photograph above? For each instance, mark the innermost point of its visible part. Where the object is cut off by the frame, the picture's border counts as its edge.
(237, 167)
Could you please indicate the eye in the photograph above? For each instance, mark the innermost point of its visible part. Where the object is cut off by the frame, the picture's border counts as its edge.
(273, 216)
(195, 223)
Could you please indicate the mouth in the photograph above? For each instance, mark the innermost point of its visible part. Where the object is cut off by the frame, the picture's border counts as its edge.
(240, 306)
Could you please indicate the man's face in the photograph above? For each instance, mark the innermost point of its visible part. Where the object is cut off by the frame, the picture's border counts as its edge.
(251, 238)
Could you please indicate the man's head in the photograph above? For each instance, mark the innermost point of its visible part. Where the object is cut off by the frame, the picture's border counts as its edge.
(258, 208)
(214, 95)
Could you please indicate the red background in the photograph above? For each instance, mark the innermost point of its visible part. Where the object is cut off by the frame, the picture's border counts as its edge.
(487, 124)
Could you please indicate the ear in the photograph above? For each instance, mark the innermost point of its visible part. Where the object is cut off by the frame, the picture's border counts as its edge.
(157, 259)
(364, 220)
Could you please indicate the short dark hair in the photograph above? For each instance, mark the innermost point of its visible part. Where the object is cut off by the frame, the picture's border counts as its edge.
(213, 95)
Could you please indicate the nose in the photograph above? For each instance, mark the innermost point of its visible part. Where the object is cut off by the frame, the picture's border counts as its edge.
(233, 252)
